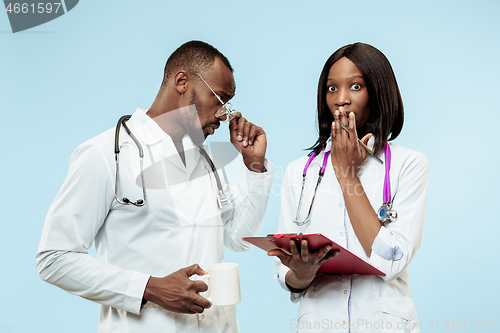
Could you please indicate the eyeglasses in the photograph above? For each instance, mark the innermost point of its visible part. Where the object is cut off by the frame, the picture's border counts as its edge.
(226, 109)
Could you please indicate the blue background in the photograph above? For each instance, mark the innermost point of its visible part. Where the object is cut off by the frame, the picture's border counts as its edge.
(70, 79)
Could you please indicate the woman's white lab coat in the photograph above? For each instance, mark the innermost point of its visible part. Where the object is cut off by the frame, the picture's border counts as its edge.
(359, 303)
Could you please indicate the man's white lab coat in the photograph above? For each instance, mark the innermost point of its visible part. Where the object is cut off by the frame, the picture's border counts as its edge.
(180, 225)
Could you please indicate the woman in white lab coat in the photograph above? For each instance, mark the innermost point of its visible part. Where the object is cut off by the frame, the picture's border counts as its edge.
(357, 88)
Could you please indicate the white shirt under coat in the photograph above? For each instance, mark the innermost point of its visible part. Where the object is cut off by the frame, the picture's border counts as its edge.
(359, 303)
(180, 225)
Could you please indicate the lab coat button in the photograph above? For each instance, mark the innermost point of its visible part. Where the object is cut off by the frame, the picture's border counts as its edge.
(340, 204)
(202, 316)
(341, 233)
(345, 291)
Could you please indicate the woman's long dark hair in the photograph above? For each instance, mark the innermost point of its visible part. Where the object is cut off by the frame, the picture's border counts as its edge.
(384, 100)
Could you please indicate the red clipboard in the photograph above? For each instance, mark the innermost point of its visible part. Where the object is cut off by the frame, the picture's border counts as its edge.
(345, 262)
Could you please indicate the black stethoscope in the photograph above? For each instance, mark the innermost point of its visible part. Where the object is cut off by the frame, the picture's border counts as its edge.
(385, 213)
(222, 199)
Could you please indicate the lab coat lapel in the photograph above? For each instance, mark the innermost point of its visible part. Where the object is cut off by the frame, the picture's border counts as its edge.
(150, 133)
(171, 155)
(178, 182)
(192, 156)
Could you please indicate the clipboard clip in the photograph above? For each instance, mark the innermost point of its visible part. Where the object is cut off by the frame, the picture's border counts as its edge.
(283, 235)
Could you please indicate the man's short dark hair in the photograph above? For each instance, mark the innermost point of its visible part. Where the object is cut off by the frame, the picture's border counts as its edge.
(384, 99)
(194, 56)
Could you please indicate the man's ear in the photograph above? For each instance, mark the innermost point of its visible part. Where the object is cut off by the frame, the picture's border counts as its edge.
(180, 81)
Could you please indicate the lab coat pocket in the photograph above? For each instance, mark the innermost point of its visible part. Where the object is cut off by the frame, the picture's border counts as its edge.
(157, 319)
(307, 318)
(304, 323)
(229, 315)
(398, 315)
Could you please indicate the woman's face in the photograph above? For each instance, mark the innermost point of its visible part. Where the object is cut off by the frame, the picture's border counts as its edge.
(346, 87)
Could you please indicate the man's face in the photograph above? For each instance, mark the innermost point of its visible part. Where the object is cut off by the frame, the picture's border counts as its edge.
(221, 80)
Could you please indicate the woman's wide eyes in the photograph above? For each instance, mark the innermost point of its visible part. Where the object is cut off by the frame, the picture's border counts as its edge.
(355, 86)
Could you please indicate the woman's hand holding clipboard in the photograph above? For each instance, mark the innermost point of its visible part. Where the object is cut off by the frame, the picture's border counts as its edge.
(303, 263)
(345, 262)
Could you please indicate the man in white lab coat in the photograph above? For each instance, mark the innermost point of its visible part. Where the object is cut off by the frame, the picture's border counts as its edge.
(149, 257)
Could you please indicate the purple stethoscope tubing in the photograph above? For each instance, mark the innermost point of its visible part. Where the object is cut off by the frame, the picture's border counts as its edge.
(385, 212)
(387, 179)
(323, 167)
(320, 176)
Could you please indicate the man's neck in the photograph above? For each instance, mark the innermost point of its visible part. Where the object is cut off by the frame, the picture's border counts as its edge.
(169, 123)
(175, 121)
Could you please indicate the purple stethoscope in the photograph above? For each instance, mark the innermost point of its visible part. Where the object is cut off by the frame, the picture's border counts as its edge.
(385, 213)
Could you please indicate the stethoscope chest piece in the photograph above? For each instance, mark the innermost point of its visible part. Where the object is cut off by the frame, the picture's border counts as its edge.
(385, 213)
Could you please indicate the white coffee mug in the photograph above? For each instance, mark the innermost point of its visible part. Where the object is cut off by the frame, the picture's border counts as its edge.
(223, 284)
